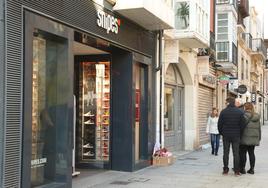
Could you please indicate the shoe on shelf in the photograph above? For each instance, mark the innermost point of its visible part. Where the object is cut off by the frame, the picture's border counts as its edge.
(89, 122)
(89, 154)
(243, 171)
(250, 171)
(87, 146)
(89, 114)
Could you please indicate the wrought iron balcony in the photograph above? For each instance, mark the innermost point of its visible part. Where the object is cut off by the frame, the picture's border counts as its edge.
(258, 48)
(247, 39)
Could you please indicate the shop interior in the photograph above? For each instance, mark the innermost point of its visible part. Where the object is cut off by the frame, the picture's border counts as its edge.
(92, 81)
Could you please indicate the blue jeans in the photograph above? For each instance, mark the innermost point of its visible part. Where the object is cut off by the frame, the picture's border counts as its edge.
(215, 141)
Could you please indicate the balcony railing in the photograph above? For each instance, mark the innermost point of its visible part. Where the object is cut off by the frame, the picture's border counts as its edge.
(259, 47)
(248, 39)
(243, 7)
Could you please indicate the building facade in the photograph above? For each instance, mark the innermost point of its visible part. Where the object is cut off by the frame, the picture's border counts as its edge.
(182, 130)
(77, 89)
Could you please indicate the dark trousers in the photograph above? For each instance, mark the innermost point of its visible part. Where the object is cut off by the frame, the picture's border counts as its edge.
(243, 150)
(227, 141)
(215, 140)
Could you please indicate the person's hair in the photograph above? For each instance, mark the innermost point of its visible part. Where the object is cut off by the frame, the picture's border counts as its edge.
(249, 107)
(230, 100)
(212, 113)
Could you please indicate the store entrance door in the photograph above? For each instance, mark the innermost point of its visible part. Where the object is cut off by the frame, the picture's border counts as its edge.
(92, 94)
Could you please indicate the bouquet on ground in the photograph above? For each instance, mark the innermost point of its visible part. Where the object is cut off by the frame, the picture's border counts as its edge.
(161, 152)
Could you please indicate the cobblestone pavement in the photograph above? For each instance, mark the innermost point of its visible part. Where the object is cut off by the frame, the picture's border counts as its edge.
(197, 169)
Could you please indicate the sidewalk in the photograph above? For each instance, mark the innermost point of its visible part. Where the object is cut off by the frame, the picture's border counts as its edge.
(197, 169)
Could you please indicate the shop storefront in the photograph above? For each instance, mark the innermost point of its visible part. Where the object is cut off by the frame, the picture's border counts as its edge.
(83, 92)
(206, 101)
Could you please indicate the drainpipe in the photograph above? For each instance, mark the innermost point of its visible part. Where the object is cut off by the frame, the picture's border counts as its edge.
(159, 68)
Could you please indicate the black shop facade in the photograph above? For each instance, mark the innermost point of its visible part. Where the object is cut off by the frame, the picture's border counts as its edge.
(85, 90)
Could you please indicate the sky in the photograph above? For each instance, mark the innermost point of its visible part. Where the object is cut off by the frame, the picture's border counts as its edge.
(260, 6)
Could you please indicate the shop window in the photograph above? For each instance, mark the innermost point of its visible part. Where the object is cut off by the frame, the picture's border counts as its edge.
(169, 109)
(50, 112)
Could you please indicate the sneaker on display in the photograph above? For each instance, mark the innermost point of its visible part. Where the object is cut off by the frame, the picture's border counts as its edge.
(89, 114)
(90, 154)
(87, 146)
(89, 122)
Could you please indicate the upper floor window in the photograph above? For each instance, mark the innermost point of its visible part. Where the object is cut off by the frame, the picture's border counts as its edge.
(182, 17)
(222, 26)
(222, 49)
(222, 1)
(242, 68)
(169, 3)
(246, 69)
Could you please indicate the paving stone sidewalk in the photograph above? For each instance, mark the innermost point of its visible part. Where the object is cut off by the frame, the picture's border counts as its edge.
(198, 169)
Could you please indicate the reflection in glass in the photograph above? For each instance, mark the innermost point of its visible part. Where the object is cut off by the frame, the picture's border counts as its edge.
(50, 94)
(169, 109)
(182, 15)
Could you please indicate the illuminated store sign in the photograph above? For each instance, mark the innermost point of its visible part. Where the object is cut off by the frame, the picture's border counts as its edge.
(108, 22)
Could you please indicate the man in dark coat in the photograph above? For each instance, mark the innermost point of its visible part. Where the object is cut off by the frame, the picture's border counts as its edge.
(230, 125)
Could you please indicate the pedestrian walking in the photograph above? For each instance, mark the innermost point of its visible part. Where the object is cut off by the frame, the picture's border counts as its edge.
(230, 125)
(250, 138)
(212, 129)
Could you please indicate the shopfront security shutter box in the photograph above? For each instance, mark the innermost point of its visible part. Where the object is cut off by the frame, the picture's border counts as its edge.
(163, 161)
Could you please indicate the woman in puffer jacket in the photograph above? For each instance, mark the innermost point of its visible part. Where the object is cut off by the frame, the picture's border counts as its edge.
(250, 138)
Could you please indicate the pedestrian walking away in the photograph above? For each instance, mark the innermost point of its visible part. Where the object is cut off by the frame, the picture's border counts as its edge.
(231, 125)
(250, 138)
(212, 129)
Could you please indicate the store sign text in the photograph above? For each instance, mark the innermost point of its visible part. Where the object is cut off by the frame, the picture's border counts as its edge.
(108, 22)
(38, 162)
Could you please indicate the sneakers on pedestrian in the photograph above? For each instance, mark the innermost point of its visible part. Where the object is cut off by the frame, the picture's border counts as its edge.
(250, 171)
(243, 171)
(225, 171)
(237, 174)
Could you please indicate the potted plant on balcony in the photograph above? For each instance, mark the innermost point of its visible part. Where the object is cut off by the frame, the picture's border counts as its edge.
(183, 13)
